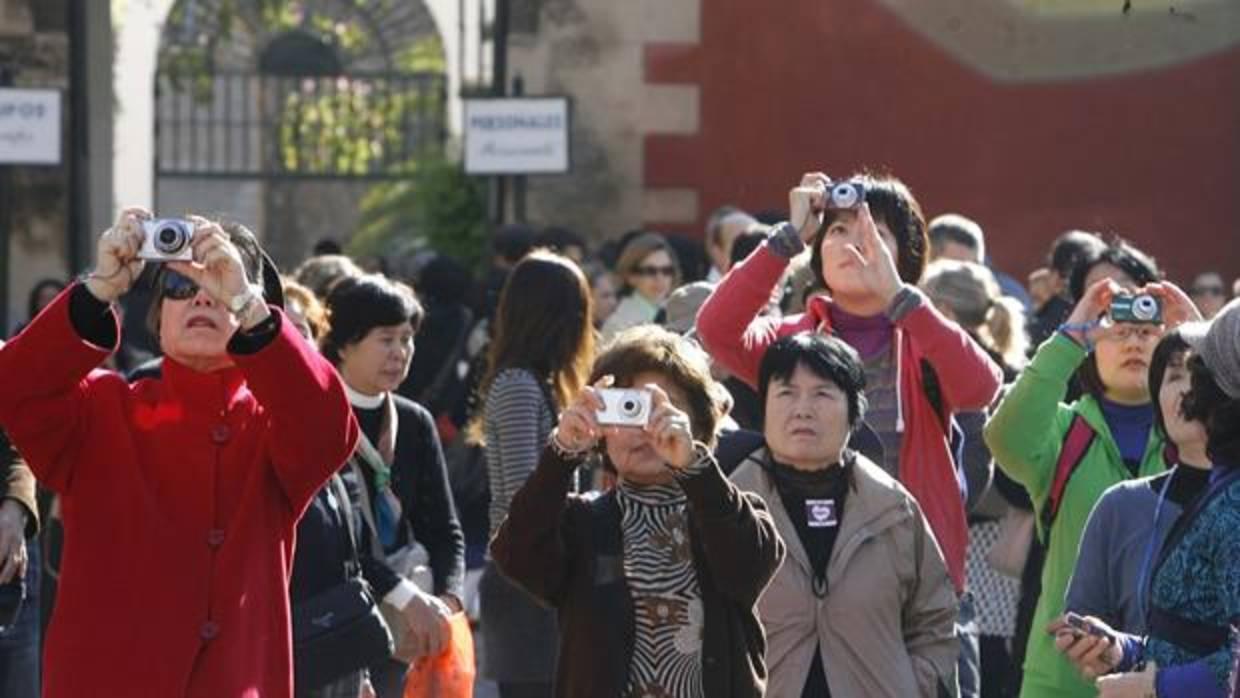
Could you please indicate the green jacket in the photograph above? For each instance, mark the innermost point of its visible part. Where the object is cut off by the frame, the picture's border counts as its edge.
(1025, 436)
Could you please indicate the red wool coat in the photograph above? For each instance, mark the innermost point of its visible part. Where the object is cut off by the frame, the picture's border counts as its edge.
(180, 501)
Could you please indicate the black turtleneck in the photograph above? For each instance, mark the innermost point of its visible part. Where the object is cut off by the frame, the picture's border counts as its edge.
(803, 492)
(1187, 483)
(800, 490)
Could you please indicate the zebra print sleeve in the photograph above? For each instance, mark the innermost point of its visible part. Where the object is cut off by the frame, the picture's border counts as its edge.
(517, 429)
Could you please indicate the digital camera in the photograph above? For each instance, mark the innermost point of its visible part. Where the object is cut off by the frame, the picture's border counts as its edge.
(849, 194)
(624, 407)
(1140, 308)
(167, 239)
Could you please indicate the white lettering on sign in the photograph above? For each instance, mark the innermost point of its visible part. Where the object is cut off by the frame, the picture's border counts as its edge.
(29, 126)
(517, 135)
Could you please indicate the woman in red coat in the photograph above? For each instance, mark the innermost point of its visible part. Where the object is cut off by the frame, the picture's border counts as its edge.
(180, 494)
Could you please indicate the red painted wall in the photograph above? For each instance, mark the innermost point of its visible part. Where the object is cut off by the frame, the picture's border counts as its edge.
(1154, 156)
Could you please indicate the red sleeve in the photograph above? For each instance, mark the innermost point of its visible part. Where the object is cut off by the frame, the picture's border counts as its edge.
(728, 324)
(46, 373)
(312, 427)
(968, 377)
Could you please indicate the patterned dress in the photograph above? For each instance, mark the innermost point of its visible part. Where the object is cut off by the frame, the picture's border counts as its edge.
(667, 601)
(1200, 581)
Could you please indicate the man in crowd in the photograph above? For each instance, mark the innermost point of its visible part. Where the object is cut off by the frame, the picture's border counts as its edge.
(722, 229)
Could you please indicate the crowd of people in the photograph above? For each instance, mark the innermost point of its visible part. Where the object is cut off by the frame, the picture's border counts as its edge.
(829, 451)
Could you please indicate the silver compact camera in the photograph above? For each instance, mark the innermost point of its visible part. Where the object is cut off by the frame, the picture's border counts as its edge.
(627, 407)
(167, 239)
(849, 194)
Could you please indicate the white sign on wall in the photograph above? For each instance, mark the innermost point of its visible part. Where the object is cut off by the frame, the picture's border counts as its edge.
(29, 127)
(516, 135)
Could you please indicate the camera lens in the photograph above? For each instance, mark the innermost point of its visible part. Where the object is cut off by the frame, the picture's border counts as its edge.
(1144, 307)
(170, 239)
(630, 406)
(844, 196)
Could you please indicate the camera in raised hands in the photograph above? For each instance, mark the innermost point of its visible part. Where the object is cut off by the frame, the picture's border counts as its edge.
(166, 240)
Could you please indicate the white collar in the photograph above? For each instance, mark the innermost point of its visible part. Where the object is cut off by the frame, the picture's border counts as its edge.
(362, 400)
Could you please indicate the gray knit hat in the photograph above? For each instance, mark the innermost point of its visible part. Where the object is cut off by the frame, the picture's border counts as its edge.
(1217, 342)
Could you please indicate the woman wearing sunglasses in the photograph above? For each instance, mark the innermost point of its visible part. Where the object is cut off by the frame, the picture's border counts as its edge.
(180, 494)
(649, 271)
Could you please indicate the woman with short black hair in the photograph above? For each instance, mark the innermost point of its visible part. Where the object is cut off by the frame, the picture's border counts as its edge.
(417, 559)
(863, 605)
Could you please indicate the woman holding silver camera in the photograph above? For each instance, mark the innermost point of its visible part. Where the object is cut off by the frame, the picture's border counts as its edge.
(180, 494)
(654, 581)
(1066, 455)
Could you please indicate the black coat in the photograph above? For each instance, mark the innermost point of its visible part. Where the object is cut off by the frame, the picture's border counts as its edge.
(420, 481)
(568, 552)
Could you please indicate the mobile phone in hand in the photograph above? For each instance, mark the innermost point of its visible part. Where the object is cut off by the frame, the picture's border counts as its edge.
(1082, 627)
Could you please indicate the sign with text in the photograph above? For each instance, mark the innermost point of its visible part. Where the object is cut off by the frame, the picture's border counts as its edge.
(516, 135)
(29, 127)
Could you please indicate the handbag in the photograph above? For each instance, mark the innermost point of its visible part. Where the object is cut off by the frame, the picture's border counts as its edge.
(411, 561)
(340, 630)
(1010, 552)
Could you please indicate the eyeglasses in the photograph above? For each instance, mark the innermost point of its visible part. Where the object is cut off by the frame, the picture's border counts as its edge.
(1124, 331)
(650, 270)
(177, 286)
(1207, 291)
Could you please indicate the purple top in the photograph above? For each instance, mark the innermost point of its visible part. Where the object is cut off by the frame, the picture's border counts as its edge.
(870, 336)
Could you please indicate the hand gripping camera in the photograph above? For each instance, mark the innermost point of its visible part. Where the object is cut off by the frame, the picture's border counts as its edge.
(167, 239)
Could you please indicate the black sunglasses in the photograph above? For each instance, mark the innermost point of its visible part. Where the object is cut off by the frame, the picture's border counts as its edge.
(652, 270)
(177, 286)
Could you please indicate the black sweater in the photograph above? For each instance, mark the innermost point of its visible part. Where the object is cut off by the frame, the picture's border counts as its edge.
(323, 557)
(420, 481)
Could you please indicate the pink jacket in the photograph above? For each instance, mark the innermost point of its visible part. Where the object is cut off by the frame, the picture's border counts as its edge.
(729, 327)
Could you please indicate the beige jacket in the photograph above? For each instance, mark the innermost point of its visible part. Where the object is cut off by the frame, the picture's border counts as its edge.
(887, 623)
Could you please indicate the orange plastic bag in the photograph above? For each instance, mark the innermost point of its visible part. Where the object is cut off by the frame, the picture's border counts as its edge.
(451, 673)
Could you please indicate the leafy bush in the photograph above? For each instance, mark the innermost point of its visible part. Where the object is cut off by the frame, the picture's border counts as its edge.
(439, 207)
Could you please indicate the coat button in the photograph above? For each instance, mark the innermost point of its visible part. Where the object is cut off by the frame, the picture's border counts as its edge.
(209, 630)
(220, 433)
(215, 537)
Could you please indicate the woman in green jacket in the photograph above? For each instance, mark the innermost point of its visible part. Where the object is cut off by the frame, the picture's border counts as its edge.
(1027, 433)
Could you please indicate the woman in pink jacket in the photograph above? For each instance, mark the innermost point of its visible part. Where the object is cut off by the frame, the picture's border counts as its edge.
(868, 243)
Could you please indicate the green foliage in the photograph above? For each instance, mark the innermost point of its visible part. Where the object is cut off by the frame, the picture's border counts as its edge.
(344, 127)
(439, 207)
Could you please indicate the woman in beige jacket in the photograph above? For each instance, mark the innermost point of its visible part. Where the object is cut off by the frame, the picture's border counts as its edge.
(862, 605)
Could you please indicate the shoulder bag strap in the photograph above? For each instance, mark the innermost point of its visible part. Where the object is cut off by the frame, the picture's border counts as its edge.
(1080, 437)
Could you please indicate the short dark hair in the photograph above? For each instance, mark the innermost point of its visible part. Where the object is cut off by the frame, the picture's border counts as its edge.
(953, 227)
(891, 203)
(513, 241)
(1118, 253)
(745, 244)
(653, 349)
(358, 304)
(1206, 402)
(557, 239)
(1070, 248)
(1167, 348)
(824, 356)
